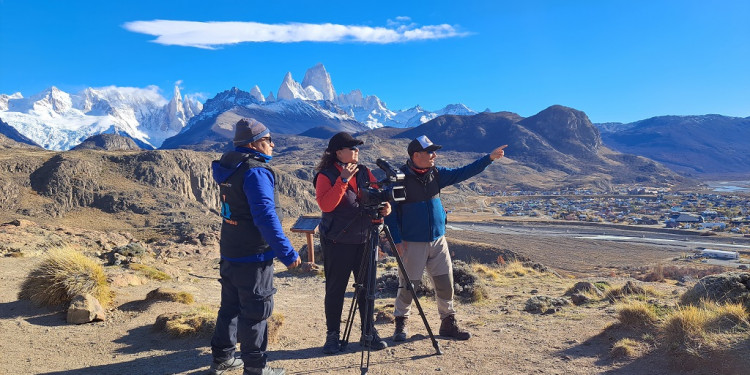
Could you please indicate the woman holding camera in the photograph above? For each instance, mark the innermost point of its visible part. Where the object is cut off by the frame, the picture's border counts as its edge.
(343, 231)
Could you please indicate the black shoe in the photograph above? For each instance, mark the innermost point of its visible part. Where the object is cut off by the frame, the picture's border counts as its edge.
(332, 345)
(449, 328)
(401, 332)
(218, 368)
(375, 344)
(264, 371)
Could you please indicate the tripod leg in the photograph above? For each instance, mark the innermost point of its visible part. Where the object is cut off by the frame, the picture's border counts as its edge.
(358, 285)
(410, 288)
(371, 258)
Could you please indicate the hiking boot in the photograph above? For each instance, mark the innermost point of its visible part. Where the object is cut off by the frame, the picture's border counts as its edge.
(449, 328)
(332, 345)
(375, 344)
(400, 333)
(264, 371)
(218, 368)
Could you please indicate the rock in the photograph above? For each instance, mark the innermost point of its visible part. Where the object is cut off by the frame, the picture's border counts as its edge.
(21, 223)
(632, 288)
(84, 309)
(545, 304)
(579, 299)
(133, 249)
(318, 252)
(584, 287)
(126, 279)
(728, 287)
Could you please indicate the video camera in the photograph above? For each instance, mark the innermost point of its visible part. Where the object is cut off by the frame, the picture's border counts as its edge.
(390, 188)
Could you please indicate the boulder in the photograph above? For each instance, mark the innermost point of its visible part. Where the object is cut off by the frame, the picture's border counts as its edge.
(728, 287)
(84, 309)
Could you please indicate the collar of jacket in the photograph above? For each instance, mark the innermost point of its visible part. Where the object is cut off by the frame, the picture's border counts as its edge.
(259, 156)
(419, 171)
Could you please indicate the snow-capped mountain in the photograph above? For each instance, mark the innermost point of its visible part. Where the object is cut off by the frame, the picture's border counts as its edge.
(369, 110)
(57, 120)
(213, 128)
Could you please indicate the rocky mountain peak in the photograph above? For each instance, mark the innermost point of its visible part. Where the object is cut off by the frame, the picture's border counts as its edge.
(318, 78)
(566, 129)
(290, 89)
(257, 94)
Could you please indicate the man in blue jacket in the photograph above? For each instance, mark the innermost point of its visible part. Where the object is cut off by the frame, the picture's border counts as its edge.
(418, 229)
(251, 236)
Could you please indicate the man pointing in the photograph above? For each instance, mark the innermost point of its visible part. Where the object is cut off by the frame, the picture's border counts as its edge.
(418, 228)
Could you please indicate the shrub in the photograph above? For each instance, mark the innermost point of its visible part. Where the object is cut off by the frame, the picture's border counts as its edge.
(636, 313)
(697, 329)
(685, 329)
(200, 321)
(62, 275)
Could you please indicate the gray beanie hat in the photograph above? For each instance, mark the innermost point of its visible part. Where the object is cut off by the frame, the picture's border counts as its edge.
(248, 130)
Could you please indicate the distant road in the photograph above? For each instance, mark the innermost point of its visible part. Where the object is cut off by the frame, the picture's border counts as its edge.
(602, 233)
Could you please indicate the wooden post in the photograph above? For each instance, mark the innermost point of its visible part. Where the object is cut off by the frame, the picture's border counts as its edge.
(310, 248)
(307, 225)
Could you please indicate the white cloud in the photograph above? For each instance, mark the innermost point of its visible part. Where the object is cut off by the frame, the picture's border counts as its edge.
(214, 34)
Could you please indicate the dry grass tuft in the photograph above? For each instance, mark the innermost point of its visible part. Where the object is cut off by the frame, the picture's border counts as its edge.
(275, 321)
(636, 313)
(697, 329)
(199, 321)
(516, 269)
(150, 272)
(170, 295)
(62, 275)
(625, 348)
(662, 272)
(486, 271)
(630, 289)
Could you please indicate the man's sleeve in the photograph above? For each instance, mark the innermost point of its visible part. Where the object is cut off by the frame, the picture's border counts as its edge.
(450, 176)
(259, 190)
(393, 221)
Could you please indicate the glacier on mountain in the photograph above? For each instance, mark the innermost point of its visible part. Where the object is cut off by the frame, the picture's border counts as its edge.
(57, 120)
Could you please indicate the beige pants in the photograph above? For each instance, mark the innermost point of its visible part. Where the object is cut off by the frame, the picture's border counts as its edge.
(435, 258)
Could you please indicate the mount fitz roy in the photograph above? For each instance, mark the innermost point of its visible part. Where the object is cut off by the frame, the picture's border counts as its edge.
(57, 120)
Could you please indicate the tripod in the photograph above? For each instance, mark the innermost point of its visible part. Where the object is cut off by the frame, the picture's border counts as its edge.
(367, 278)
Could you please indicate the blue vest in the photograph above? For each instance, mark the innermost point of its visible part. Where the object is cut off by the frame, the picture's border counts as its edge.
(240, 237)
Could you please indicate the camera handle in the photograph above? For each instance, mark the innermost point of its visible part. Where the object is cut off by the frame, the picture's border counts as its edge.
(368, 271)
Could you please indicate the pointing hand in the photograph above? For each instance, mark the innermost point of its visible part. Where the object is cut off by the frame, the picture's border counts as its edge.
(498, 153)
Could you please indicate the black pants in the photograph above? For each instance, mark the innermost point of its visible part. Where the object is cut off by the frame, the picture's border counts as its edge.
(340, 261)
(246, 302)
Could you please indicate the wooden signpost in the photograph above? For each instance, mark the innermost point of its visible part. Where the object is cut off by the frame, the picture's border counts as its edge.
(308, 225)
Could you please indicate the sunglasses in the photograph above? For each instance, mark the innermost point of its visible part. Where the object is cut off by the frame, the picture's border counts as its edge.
(355, 149)
(267, 139)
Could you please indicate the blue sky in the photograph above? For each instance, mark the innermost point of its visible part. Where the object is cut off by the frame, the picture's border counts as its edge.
(618, 61)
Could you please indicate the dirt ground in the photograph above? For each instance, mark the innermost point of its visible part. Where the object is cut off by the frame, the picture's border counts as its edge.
(506, 339)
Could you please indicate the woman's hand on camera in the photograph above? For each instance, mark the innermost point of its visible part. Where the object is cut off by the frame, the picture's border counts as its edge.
(385, 210)
(349, 170)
